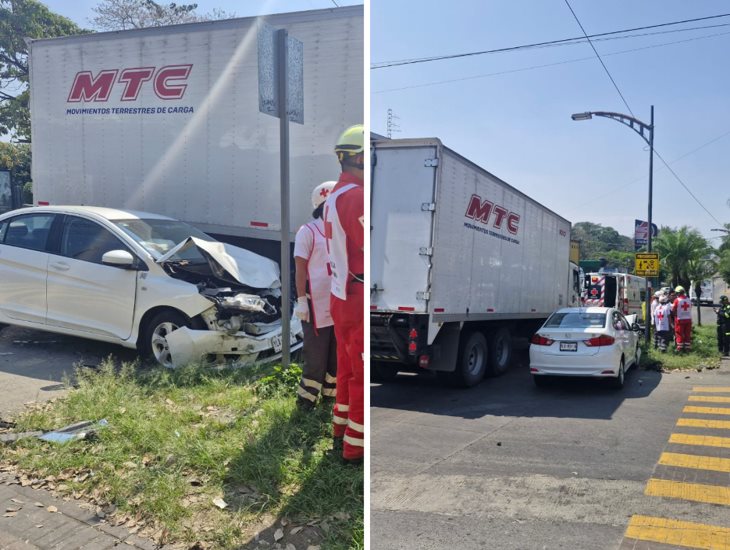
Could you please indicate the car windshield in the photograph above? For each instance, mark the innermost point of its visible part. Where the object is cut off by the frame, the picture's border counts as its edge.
(576, 319)
(159, 236)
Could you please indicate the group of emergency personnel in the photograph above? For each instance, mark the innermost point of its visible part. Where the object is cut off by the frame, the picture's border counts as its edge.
(329, 262)
(671, 314)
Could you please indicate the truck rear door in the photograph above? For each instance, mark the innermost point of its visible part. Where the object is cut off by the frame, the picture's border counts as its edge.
(402, 193)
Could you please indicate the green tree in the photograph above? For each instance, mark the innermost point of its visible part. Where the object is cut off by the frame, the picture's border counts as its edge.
(21, 19)
(16, 158)
(117, 15)
(723, 266)
(699, 269)
(597, 241)
(677, 248)
(725, 243)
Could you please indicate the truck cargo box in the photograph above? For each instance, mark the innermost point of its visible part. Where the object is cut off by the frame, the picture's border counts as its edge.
(167, 119)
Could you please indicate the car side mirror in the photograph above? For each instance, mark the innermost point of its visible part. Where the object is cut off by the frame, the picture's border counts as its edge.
(636, 327)
(119, 258)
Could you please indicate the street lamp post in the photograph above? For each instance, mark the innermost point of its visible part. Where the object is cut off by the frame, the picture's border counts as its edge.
(646, 131)
(723, 230)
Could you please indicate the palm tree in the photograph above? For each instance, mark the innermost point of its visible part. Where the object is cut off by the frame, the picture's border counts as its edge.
(677, 248)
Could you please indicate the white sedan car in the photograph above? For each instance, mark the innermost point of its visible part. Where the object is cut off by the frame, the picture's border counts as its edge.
(587, 341)
(140, 280)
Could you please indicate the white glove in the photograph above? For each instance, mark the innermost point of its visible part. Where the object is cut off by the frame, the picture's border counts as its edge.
(301, 310)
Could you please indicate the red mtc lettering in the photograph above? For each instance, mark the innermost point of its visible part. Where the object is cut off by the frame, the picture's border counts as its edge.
(481, 211)
(168, 83)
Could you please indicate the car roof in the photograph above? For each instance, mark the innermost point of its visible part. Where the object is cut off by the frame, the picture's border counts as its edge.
(100, 211)
(590, 309)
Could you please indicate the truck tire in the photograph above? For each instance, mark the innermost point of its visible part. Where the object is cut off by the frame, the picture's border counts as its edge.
(152, 342)
(500, 352)
(383, 372)
(471, 363)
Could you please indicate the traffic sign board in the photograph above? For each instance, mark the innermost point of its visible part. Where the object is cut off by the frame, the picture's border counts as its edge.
(647, 264)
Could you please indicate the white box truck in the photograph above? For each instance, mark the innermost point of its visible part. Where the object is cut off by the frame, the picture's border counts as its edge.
(461, 262)
(167, 120)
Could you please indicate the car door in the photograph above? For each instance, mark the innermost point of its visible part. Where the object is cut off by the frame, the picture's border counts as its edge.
(24, 267)
(624, 336)
(85, 295)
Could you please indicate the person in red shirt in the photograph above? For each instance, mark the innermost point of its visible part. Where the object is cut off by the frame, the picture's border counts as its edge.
(344, 230)
(682, 309)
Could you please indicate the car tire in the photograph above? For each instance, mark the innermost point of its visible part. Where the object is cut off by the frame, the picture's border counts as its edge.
(500, 352)
(618, 382)
(152, 336)
(540, 380)
(471, 363)
(637, 356)
(383, 372)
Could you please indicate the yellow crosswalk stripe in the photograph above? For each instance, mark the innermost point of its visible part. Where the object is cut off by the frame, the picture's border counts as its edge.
(702, 423)
(706, 410)
(709, 398)
(695, 462)
(712, 389)
(713, 494)
(703, 440)
(678, 533)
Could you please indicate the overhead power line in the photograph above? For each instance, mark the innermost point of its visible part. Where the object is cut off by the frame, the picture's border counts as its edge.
(599, 57)
(574, 39)
(545, 65)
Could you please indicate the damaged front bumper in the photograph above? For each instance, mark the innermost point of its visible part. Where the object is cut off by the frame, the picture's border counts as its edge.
(187, 345)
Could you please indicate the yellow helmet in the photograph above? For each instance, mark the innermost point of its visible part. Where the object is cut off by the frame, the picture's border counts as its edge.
(679, 289)
(350, 142)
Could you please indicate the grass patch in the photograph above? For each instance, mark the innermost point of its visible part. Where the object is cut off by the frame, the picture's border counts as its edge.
(704, 354)
(178, 439)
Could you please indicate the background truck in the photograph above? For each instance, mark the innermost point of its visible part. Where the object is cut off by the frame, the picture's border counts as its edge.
(461, 262)
(623, 291)
(167, 120)
(707, 292)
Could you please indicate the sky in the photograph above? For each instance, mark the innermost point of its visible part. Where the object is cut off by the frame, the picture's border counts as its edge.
(80, 11)
(510, 112)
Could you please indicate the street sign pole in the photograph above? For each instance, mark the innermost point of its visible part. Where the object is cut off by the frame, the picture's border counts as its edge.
(648, 242)
(281, 52)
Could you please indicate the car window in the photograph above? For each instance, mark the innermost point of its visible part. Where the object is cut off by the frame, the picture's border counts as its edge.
(29, 231)
(159, 236)
(575, 319)
(3, 229)
(624, 322)
(87, 240)
(619, 322)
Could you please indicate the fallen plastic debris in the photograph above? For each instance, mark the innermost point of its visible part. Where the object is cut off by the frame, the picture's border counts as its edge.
(78, 431)
(7, 424)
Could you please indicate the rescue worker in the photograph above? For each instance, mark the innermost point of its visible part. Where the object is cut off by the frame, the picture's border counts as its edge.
(723, 326)
(682, 310)
(654, 304)
(344, 229)
(313, 283)
(662, 326)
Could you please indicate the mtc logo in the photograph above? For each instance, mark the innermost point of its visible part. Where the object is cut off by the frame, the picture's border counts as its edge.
(168, 83)
(482, 210)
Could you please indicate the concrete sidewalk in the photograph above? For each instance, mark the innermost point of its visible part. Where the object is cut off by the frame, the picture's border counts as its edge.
(34, 519)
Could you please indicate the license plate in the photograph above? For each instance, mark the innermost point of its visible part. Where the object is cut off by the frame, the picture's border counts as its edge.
(276, 342)
(568, 346)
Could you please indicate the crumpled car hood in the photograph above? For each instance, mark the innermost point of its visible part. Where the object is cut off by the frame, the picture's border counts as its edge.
(243, 266)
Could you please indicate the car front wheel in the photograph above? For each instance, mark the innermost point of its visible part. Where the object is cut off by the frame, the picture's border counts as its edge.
(153, 339)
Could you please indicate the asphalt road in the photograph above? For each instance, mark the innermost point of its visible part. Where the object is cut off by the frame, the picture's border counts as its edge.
(35, 364)
(505, 465)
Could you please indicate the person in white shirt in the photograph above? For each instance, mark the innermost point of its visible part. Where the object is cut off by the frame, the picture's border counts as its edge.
(313, 283)
(662, 323)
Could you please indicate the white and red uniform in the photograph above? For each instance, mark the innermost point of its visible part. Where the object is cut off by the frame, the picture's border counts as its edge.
(682, 309)
(319, 373)
(343, 219)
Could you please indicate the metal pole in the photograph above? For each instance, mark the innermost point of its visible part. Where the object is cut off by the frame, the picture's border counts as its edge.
(647, 320)
(284, 172)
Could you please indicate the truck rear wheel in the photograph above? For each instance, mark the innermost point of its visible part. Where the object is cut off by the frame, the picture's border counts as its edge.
(500, 352)
(471, 363)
